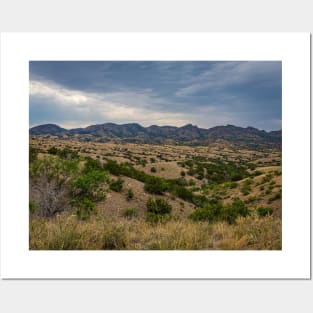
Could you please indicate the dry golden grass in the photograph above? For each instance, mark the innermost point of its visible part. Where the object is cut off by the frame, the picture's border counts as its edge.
(65, 232)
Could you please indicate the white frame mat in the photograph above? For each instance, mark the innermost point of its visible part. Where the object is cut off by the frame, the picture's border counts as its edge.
(292, 262)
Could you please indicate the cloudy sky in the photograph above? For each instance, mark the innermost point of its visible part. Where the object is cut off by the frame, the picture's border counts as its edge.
(206, 94)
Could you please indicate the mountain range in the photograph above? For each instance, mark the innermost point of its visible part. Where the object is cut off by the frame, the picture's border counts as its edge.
(187, 135)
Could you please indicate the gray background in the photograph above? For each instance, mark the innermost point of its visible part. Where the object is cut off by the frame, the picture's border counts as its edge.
(156, 296)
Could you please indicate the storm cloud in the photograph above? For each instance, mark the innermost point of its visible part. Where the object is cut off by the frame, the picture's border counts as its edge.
(204, 93)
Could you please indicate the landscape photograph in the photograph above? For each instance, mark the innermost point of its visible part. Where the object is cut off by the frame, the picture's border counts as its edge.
(155, 155)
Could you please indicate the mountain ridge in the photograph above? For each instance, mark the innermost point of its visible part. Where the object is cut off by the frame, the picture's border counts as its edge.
(188, 134)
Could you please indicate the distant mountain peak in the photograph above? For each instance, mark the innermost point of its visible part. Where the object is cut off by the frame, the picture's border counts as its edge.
(47, 129)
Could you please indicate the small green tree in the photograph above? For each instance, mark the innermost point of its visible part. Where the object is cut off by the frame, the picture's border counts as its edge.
(158, 206)
(117, 185)
(264, 211)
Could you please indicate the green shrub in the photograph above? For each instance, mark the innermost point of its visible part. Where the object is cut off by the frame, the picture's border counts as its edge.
(233, 210)
(268, 191)
(277, 196)
(113, 167)
(251, 199)
(53, 150)
(210, 212)
(184, 193)
(130, 213)
(53, 167)
(193, 189)
(158, 206)
(245, 190)
(191, 182)
(130, 194)
(89, 186)
(156, 185)
(182, 173)
(153, 169)
(231, 184)
(157, 218)
(91, 164)
(215, 211)
(264, 211)
(246, 187)
(219, 171)
(117, 185)
(201, 214)
(200, 176)
(85, 208)
(67, 153)
(200, 200)
(125, 169)
(251, 166)
(266, 178)
(191, 172)
(248, 181)
(143, 162)
(257, 173)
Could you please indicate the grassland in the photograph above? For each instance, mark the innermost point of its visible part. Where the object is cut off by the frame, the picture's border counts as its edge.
(91, 196)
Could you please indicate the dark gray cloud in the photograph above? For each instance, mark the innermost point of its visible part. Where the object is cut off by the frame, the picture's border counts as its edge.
(198, 92)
